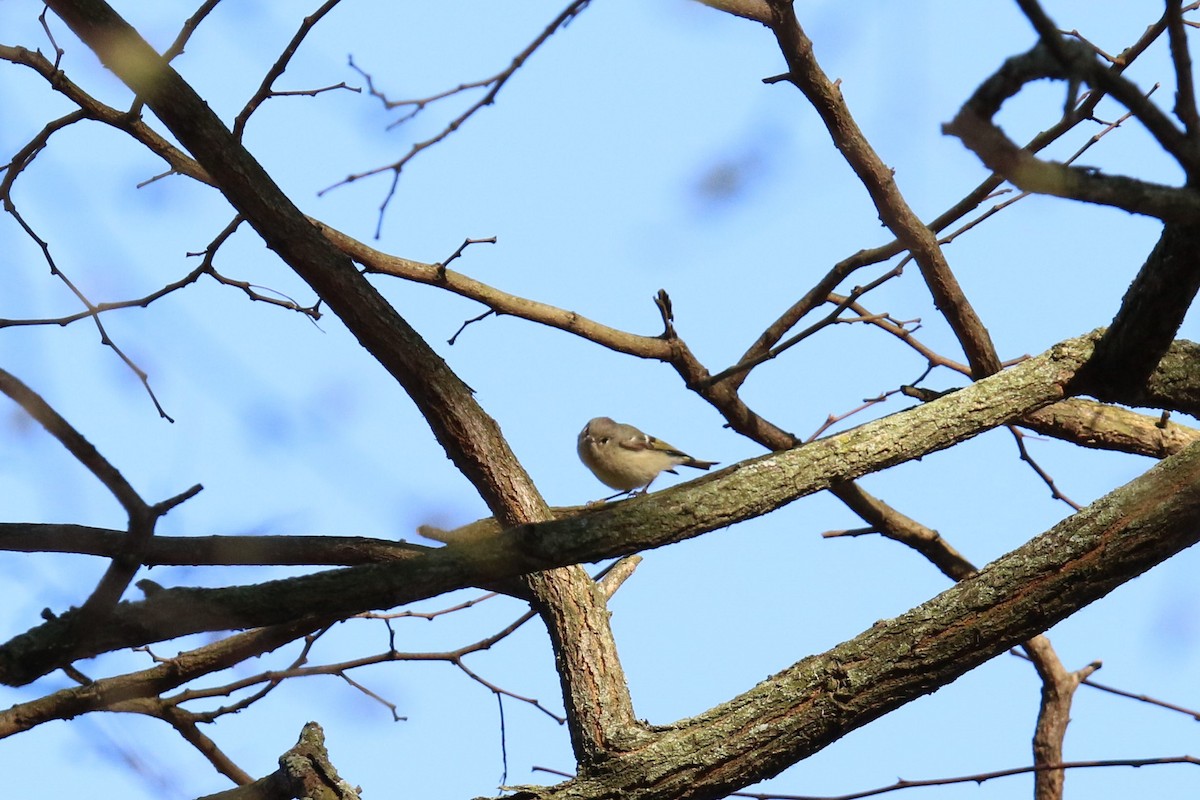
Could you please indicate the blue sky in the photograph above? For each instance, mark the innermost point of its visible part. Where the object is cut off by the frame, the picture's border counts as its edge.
(637, 150)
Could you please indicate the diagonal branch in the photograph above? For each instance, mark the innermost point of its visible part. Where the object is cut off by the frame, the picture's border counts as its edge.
(264, 90)
(971, 200)
(1148, 320)
(471, 438)
(806, 74)
(737, 493)
(816, 701)
(1080, 64)
(84, 451)
(187, 666)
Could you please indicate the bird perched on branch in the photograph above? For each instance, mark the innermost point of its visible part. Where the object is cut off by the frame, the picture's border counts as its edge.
(624, 458)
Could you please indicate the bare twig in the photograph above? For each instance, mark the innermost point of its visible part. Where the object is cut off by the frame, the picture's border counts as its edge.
(441, 265)
(175, 49)
(428, 615)
(454, 337)
(1019, 437)
(834, 419)
(979, 777)
(58, 51)
(1141, 698)
(91, 308)
(189, 27)
(264, 91)
(496, 83)
(840, 304)
(251, 290)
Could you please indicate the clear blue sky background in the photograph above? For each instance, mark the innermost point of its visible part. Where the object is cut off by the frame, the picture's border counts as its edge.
(637, 150)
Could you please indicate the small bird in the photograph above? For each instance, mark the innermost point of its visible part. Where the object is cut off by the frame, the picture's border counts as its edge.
(624, 458)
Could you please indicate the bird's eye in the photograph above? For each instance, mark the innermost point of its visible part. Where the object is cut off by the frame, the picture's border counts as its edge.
(603, 440)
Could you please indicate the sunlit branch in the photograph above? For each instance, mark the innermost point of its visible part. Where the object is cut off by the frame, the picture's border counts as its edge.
(806, 74)
(815, 296)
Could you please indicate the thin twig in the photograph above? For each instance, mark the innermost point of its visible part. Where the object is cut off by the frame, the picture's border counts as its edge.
(1141, 698)
(1019, 436)
(496, 82)
(979, 777)
(831, 318)
(91, 308)
(264, 91)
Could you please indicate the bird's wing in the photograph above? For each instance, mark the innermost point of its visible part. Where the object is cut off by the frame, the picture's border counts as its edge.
(639, 441)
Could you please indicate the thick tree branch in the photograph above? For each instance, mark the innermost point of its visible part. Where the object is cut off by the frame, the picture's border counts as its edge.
(472, 439)
(1151, 312)
(818, 700)
(599, 707)
(1103, 427)
(742, 491)
(1175, 385)
(1082, 422)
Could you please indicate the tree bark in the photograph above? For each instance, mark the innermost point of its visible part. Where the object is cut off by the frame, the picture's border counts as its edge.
(811, 704)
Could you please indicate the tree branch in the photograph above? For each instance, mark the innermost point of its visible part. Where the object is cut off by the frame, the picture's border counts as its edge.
(806, 74)
(734, 494)
(1148, 320)
(471, 438)
(304, 771)
(809, 705)
(187, 666)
